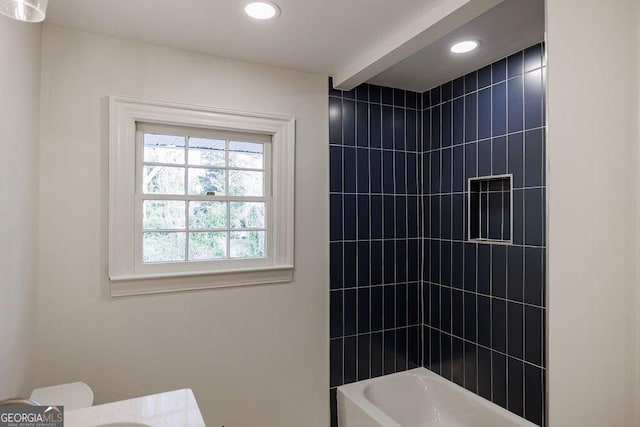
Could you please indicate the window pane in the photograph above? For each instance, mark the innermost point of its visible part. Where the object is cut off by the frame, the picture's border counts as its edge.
(245, 183)
(246, 155)
(162, 180)
(205, 215)
(163, 247)
(247, 215)
(206, 151)
(163, 148)
(204, 246)
(247, 244)
(203, 181)
(162, 214)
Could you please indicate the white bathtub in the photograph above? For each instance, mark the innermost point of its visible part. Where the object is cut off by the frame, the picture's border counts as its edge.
(418, 398)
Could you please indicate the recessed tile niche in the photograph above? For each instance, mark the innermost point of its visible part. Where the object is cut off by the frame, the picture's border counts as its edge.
(490, 209)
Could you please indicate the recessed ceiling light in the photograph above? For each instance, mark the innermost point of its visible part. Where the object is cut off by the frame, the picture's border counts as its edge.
(465, 46)
(262, 10)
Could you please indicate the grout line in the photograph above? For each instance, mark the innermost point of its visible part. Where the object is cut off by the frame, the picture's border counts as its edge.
(453, 98)
(409, 195)
(466, 230)
(476, 140)
(476, 245)
(491, 290)
(344, 313)
(493, 350)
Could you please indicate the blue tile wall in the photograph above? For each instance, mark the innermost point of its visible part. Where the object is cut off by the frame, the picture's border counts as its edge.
(376, 237)
(407, 287)
(484, 304)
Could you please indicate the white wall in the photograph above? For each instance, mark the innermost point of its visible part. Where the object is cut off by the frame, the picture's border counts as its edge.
(636, 396)
(254, 356)
(635, 410)
(19, 111)
(592, 180)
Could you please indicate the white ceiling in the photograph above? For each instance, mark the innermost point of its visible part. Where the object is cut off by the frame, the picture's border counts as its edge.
(507, 28)
(319, 36)
(391, 42)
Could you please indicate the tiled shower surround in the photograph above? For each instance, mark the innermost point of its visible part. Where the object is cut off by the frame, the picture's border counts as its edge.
(408, 286)
(483, 303)
(375, 143)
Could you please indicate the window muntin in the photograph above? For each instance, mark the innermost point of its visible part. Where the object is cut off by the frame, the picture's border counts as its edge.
(202, 196)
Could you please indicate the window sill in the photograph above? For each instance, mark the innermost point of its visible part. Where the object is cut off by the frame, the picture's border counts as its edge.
(148, 284)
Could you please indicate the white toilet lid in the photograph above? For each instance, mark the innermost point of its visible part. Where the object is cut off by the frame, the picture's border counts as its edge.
(71, 396)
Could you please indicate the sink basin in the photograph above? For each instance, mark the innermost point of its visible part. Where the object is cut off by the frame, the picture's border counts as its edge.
(176, 408)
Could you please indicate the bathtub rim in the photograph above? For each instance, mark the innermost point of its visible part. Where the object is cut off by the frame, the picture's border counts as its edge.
(355, 392)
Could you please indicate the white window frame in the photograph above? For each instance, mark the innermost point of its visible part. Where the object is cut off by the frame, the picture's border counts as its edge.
(126, 274)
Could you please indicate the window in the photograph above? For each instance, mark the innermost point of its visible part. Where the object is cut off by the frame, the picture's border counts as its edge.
(202, 196)
(199, 197)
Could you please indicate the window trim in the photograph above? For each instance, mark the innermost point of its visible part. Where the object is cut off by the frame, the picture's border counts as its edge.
(124, 113)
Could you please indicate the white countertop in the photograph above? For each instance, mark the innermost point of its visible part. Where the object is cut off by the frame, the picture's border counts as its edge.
(174, 408)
